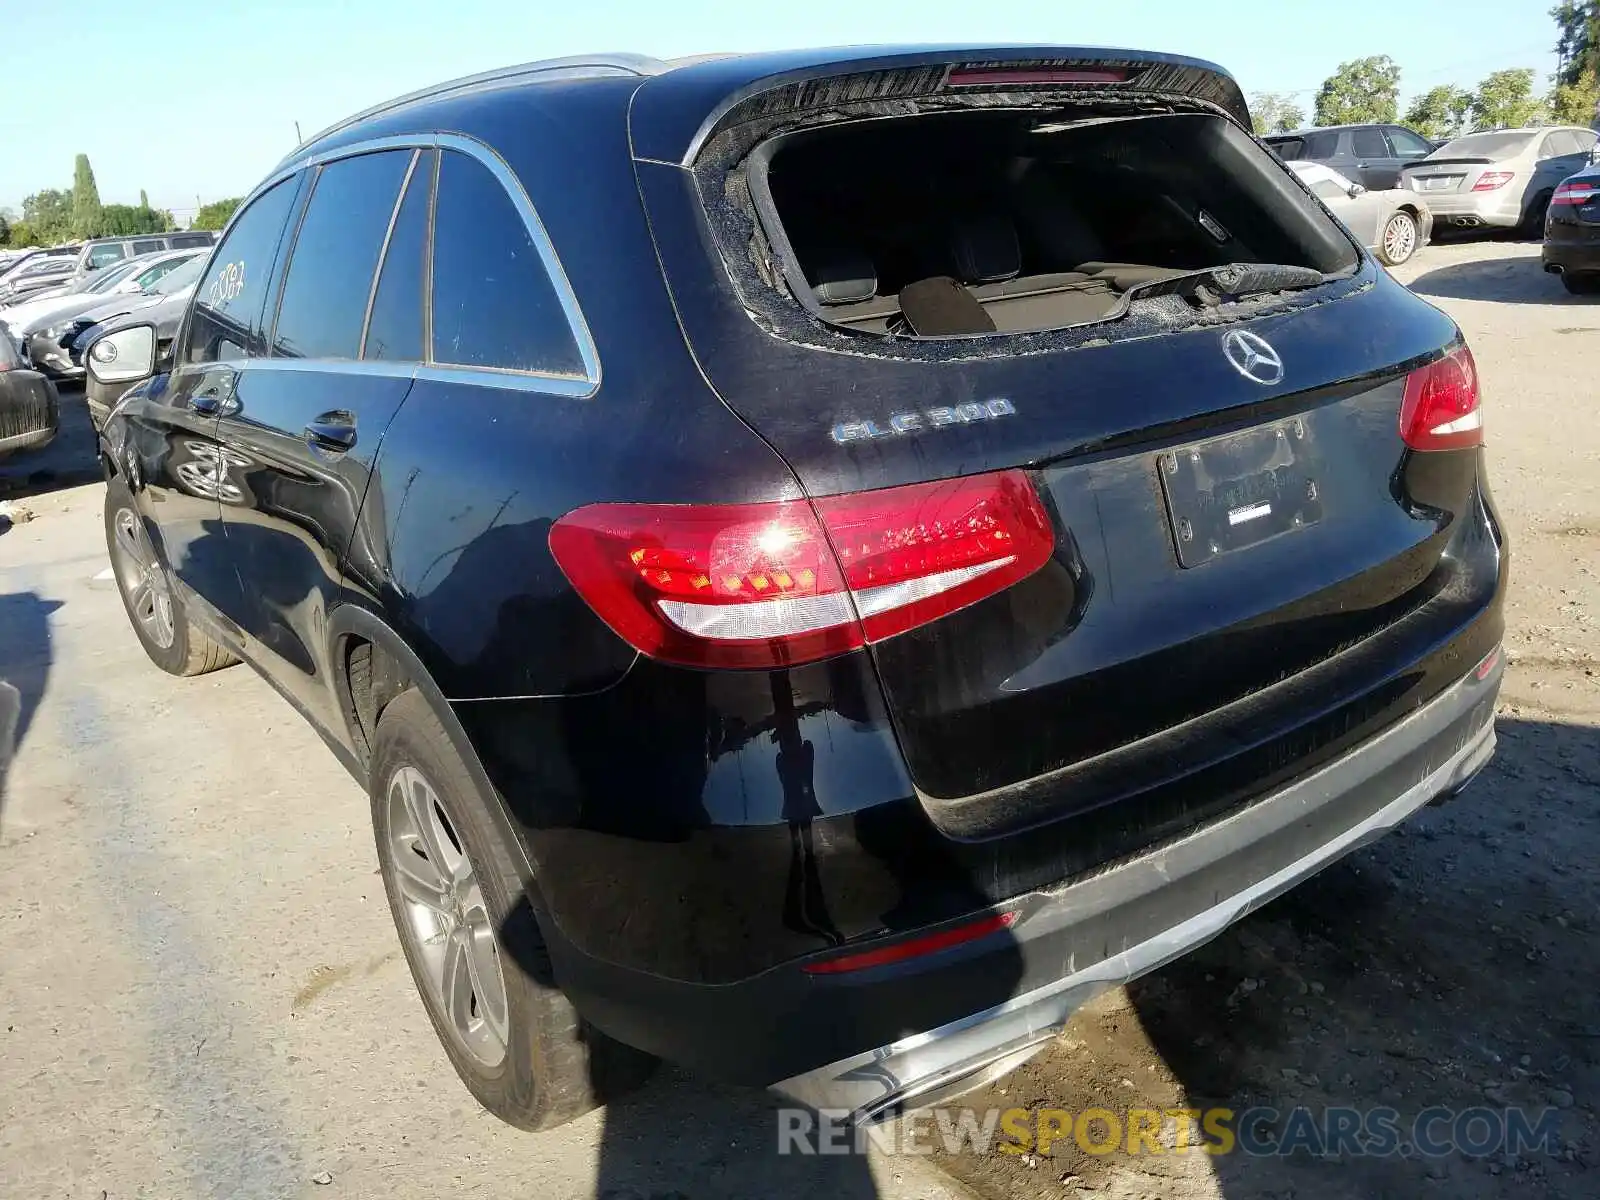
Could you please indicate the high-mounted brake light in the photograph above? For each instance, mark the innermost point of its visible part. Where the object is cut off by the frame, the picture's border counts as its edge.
(778, 584)
(1576, 192)
(1441, 406)
(1036, 76)
(1489, 180)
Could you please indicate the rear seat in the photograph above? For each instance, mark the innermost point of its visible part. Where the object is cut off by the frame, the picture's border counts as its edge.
(988, 260)
(846, 284)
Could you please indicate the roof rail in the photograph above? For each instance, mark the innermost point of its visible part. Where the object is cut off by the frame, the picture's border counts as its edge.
(576, 66)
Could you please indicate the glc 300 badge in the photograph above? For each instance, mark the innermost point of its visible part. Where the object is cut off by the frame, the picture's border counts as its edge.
(901, 424)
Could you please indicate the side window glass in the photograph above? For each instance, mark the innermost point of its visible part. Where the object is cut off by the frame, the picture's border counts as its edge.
(1368, 143)
(394, 331)
(335, 256)
(1321, 145)
(149, 246)
(229, 297)
(100, 256)
(1562, 142)
(1547, 147)
(493, 302)
(1408, 145)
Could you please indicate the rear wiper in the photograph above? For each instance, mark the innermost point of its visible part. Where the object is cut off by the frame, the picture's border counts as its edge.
(1235, 281)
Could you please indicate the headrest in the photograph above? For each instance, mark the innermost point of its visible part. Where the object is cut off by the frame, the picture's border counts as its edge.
(844, 278)
(986, 249)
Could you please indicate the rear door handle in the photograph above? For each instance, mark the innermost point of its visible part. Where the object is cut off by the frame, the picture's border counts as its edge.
(212, 394)
(334, 432)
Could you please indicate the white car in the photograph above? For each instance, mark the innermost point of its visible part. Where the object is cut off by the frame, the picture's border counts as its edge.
(1391, 222)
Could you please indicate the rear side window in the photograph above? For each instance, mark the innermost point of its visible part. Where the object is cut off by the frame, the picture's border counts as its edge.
(189, 241)
(149, 246)
(1368, 143)
(230, 296)
(1321, 145)
(493, 302)
(394, 330)
(336, 255)
(1289, 148)
(100, 256)
(1408, 145)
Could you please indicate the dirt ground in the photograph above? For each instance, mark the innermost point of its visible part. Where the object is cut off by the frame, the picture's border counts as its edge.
(200, 994)
(1453, 964)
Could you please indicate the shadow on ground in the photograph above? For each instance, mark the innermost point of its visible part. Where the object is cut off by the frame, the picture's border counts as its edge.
(25, 659)
(70, 459)
(1520, 280)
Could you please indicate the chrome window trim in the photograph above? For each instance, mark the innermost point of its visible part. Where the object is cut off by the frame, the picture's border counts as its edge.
(579, 386)
(522, 381)
(383, 253)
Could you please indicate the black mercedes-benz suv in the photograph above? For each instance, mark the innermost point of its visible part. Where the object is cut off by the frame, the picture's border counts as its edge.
(822, 561)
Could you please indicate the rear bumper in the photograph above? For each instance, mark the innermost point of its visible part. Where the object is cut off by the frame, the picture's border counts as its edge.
(1105, 931)
(1501, 208)
(1574, 251)
(30, 412)
(867, 1040)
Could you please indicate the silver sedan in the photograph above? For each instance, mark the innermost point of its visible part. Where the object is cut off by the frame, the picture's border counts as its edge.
(1390, 222)
(1500, 179)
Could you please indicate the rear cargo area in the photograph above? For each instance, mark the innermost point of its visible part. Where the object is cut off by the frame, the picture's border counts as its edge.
(1001, 221)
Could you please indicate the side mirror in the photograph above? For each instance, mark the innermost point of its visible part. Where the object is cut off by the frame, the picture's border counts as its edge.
(125, 356)
(1357, 190)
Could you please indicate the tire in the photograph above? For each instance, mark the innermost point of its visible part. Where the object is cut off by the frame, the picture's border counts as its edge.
(154, 607)
(1399, 239)
(525, 1054)
(1582, 284)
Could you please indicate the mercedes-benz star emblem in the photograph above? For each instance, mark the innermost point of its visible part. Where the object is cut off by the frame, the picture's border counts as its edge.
(1252, 356)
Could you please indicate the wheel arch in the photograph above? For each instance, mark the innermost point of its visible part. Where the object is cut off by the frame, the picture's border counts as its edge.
(394, 669)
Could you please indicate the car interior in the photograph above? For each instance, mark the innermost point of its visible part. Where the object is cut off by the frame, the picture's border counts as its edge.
(955, 224)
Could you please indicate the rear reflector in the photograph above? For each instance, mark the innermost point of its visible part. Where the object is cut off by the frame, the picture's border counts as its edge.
(1575, 193)
(1489, 180)
(913, 947)
(1037, 76)
(778, 584)
(1488, 664)
(1441, 406)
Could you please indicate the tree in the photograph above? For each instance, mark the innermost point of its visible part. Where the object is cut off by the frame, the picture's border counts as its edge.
(5, 228)
(1440, 113)
(48, 216)
(1364, 89)
(126, 219)
(85, 199)
(1505, 100)
(144, 198)
(1576, 98)
(1275, 112)
(25, 234)
(215, 215)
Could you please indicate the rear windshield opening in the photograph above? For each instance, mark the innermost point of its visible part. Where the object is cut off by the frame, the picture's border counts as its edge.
(956, 224)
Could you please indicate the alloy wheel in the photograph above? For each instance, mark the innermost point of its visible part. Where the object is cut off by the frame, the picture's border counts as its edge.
(1399, 238)
(446, 918)
(143, 579)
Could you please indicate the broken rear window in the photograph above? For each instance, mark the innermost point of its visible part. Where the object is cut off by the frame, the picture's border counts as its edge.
(967, 223)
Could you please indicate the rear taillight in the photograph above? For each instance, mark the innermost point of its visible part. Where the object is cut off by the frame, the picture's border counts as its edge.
(1575, 192)
(1441, 406)
(1489, 180)
(773, 585)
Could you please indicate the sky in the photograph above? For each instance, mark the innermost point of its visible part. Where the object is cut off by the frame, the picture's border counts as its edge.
(196, 101)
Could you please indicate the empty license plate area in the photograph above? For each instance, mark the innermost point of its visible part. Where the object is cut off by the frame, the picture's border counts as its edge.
(1234, 491)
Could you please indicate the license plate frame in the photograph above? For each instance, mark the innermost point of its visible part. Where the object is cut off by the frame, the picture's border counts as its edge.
(1439, 183)
(1241, 489)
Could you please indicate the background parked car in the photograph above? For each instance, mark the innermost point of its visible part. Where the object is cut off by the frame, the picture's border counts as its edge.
(71, 296)
(49, 344)
(29, 412)
(1391, 222)
(42, 269)
(102, 252)
(1371, 155)
(1572, 232)
(1501, 179)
